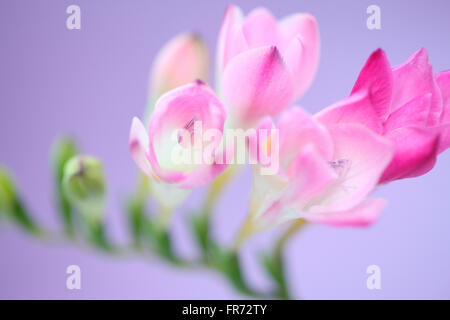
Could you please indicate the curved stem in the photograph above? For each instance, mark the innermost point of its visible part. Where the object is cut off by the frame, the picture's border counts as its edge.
(225, 261)
(143, 187)
(163, 218)
(244, 232)
(297, 225)
(216, 188)
(202, 221)
(278, 259)
(247, 228)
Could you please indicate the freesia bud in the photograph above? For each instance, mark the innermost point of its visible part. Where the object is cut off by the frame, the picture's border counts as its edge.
(84, 186)
(264, 64)
(182, 60)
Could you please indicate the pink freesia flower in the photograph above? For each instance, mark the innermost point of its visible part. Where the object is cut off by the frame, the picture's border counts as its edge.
(325, 175)
(180, 61)
(172, 127)
(406, 104)
(263, 65)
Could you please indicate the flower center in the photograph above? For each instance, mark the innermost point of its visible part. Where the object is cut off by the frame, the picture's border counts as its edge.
(341, 166)
(186, 134)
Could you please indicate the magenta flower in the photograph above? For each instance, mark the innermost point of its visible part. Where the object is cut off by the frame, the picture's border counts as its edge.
(172, 128)
(407, 104)
(325, 175)
(263, 65)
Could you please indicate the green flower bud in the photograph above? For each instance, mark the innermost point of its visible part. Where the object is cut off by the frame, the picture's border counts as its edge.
(84, 186)
(7, 193)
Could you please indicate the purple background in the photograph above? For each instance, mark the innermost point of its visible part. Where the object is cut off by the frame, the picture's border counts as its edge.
(91, 83)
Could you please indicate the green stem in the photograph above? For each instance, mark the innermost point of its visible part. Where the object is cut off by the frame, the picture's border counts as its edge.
(143, 188)
(217, 187)
(247, 228)
(228, 263)
(135, 208)
(278, 259)
(222, 260)
(292, 230)
(244, 232)
(201, 223)
(163, 219)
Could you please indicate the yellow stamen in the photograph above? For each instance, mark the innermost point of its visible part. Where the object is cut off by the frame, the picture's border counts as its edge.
(269, 143)
(155, 178)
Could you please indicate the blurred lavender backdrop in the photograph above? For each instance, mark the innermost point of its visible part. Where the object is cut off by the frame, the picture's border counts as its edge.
(91, 82)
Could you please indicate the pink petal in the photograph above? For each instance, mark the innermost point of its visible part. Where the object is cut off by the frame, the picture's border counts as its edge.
(231, 39)
(360, 157)
(362, 215)
(182, 60)
(309, 175)
(413, 78)
(357, 108)
(376, 76)
(300, 33)
(293, 56)
(260, 28)
(443, 81)
(202, 175)
(205, 173)
(298, 129)
(139, 146)
(415, 152)
(413, 113)
(256, 83)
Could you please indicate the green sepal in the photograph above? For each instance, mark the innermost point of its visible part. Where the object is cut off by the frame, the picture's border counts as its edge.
(274, 267)
(228, 263)
(21, 216)
(96, 234)
(12, 205)
(63, 150)
(160, 241)
(136, 219)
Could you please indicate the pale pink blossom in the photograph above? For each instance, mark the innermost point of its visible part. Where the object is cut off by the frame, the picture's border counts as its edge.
(177, 111)
(264, 64)
(325, 176)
